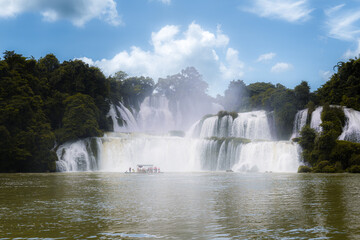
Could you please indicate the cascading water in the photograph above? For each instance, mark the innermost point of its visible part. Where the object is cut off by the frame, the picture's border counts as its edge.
(212, 144)
(280, 156)
(81, 155)
(155, 115)
(250, 125)
(300, 121)
(351, 131)
(123, 119)
(234, 144)
(316, 119)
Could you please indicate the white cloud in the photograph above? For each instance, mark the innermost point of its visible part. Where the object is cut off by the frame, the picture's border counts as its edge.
(325, 75)
(234, 67)
(343, 23)
(332, 10)
(266, 56)
(288, 10)
(281, 67)
(353, 53)
(173, 50)
(78, 12)
(165, 1)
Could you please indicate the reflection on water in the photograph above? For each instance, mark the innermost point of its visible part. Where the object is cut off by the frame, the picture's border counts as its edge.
(179, 206)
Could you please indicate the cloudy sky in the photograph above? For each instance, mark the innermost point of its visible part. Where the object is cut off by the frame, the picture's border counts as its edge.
(279, 41)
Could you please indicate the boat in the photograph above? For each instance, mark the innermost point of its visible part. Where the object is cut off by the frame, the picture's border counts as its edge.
(144, 168)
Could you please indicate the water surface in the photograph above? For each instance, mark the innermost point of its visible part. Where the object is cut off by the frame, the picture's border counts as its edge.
(180, 206)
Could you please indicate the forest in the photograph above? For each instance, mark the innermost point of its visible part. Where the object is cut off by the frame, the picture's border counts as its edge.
(45, 103)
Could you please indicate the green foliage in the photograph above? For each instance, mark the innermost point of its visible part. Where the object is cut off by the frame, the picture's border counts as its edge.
(221, 114)
(302, 94)
(80, 118)
(354, 169)
(236, 140)
(333, 118)
(324, 167)
(26, 136)
(236, 96)
(344, 86)
(130, 90)
(307, 138)
(311, 108)
(304, 169)
(347, 153)
(186, 92)
(187, 83)
(44, 97)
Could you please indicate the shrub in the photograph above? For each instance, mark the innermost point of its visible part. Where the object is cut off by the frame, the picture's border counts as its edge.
(225, 113)
(354, 169)
(328, 169)
(304, 169)
(321, 165)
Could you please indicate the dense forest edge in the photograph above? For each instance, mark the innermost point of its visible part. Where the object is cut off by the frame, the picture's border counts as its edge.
(45, 103)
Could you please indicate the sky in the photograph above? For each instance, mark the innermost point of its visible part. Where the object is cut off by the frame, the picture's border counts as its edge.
(278, 41)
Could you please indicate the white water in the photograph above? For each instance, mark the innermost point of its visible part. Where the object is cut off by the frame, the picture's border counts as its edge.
(121, 112)
(250, 125)
(351, 131)
(171, 154)
(155, 115)
(280, 156)
(79, 156)
(299, 123)
(116, 152)
(316, 119)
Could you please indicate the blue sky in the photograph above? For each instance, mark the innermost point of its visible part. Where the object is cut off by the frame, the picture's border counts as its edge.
(279, 41)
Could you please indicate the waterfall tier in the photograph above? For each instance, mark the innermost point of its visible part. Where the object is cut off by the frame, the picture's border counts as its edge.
(250, 125)
(351, 130)
(299, 123)
(117, 153)
(122, 118)
(316, 119)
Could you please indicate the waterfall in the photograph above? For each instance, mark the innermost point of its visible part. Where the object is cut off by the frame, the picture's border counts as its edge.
(250, 125)
(155, 115)
(212, 144)
(316, 119)
(351, 130)
(280, 156)
(299, 123)
(81, 155)
(123, 119)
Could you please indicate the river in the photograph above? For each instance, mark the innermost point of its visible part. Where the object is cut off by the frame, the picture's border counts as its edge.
(204, 205)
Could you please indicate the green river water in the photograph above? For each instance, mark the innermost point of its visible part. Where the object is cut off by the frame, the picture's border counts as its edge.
(179, 206)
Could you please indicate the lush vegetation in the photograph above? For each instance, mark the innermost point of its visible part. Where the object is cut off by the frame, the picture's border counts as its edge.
(283, 102)
(322, 151)
(44, 103)
(344, 86)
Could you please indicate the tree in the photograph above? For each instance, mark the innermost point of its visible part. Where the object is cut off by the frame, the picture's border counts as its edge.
(80, 118)
(236, 96)
(307, 138)
(302, 94)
